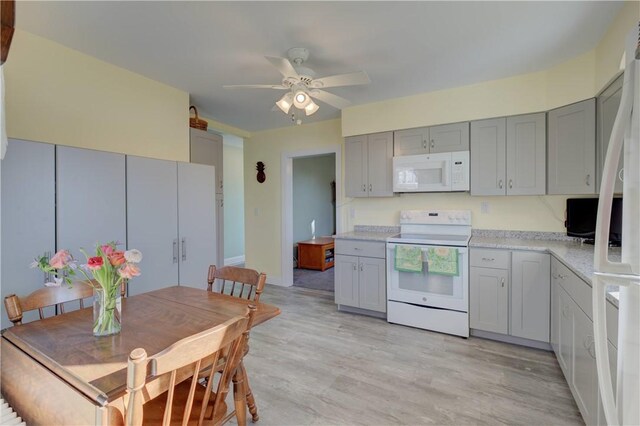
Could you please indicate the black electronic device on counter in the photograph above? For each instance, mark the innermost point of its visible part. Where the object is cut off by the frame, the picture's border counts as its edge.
(581, 220)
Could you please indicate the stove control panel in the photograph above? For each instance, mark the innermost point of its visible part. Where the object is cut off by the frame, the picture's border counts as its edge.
(435, 217)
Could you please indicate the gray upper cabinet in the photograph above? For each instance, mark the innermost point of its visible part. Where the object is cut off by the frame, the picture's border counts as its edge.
(411, 141)
(28, 217)
(449, 137)
(488, 157)
(572, 149)
(607, 108)
(489, 299)
(91, 199)
(207, 148)
(355, 166)
(530, 295)
(508, 155)
(526, 154)
(152, 221)
(369, 165)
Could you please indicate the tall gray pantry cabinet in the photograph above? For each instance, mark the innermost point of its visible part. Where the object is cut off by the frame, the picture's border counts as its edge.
(28, 217)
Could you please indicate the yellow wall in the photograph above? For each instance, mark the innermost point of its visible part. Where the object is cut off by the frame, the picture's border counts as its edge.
(610, 49)
(58, 95)
(263, 234)
(568, 82)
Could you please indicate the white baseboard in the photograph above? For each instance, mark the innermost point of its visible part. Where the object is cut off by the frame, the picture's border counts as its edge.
(274, 280)
(231, 261)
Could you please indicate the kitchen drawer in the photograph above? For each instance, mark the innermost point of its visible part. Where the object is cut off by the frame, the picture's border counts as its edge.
(360, 248)
(489, 258)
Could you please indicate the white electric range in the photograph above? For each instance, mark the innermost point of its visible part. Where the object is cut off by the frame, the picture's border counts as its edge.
(429, 300)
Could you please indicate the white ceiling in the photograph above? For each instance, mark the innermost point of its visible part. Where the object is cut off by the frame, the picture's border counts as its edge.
(405, 47)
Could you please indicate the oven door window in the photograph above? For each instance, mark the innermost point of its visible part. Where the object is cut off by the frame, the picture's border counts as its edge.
(426, 288)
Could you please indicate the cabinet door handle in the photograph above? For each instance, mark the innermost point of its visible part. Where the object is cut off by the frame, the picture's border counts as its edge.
(502, 282)
(184, 249)
(175, 251)
(361, 267)
(586, 342)
(424, 144)
(565, 311)
(488, 259)
(221, 203)
(510, 183)
(370, 187)
(364, 187)
(588, 180)
(355, 268)
(562, 277)
(500, 184)
(433, 144)
(591, 349)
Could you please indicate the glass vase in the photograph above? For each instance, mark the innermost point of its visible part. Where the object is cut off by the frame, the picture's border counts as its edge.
(107, 311)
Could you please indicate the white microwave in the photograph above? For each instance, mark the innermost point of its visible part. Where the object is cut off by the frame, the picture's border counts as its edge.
(442, 172)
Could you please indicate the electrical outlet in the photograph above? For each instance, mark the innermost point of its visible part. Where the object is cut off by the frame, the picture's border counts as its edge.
(485, 208)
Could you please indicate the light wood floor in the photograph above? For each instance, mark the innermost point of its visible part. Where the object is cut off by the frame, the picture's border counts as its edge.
(314, 365)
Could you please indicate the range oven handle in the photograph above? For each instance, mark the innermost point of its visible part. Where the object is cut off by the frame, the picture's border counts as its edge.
(461, 250)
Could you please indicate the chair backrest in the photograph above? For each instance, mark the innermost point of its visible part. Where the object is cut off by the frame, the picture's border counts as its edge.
(184, 360)
(235, 279)
(46, 296)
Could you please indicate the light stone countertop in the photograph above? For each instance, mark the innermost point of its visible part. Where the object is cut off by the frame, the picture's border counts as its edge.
(576, 256)
(369, 233)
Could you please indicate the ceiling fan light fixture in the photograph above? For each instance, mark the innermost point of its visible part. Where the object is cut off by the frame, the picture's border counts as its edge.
(301, 99)
(285, 103)
(311, 108)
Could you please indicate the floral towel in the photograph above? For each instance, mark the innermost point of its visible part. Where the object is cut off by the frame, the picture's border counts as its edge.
(443, 261)
(408, 258)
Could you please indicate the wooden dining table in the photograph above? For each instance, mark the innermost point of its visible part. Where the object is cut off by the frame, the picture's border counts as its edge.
(54, 371)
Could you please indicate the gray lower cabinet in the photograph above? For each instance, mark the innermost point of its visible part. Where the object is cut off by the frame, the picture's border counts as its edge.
(508, 155)
(489, 299)
(360, 281)
(530, 295)
(573, 343)
(90, 199)
(368, 165)
(571, 156)
(509, 293)
(28, 217)
(606, 110)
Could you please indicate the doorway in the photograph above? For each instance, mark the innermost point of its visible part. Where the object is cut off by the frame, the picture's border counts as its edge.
(311, 188)
(314, 221)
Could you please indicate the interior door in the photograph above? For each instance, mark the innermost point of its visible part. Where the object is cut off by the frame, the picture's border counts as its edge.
(28, 217)
(196, 222)
(152, 221)
(91, 199)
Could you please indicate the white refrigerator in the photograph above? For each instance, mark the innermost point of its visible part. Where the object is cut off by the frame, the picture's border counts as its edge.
(621, 405)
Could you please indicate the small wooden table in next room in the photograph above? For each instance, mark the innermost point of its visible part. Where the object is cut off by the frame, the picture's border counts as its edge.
(316, 254)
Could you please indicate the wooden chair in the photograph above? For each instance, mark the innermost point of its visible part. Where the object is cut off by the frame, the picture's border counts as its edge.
(172, 394)
(252, 279)
(44, 297)
(255, 282)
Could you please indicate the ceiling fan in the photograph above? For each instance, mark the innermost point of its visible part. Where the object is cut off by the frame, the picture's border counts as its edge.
(302, 85)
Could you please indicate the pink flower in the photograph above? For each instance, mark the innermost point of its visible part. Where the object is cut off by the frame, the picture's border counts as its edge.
(129, 271)
(107, 249)
(116, 258)
(95, 263)
(60, 259)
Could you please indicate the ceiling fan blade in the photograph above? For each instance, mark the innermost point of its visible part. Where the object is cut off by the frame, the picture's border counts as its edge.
(350, 79)
(256, 86)
(330, 99)
(284, 66)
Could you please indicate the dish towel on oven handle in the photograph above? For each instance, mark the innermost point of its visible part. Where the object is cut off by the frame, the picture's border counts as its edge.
(443, 261)
(408, 258)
